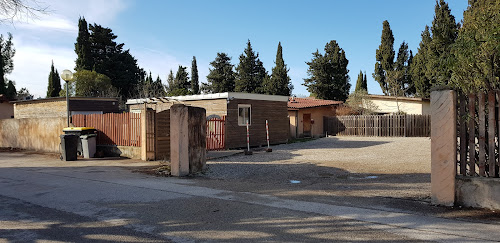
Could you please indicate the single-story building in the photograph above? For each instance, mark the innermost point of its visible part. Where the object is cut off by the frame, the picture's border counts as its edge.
(6, 108)
(238, 109)
(56, 107)
(306, 115)
(391, 104)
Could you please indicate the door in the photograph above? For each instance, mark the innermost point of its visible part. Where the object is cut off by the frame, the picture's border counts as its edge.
(306, 122)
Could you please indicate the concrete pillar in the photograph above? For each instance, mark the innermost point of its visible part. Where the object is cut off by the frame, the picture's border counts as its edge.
(443, 147)
(147, 129)
(187, 139)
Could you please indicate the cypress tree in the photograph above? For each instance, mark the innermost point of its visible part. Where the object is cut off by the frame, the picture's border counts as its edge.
(54, 86)
(195, 85)
(221, 76)
(444, 33)
(170, 82)
(279, 82)
(82, 47)
(328, 73)
(360, 85)
(418, 68)
(402, 86)
(250, 72)
(181, 82)
(365, 83)
(385, 57)
(10, 92)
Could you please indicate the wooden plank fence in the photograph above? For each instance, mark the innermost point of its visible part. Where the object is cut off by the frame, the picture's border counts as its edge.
(478, 134)
(123, 129)
(378, 125)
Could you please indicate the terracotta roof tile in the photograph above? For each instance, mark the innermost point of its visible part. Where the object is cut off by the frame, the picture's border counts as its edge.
(299, 103)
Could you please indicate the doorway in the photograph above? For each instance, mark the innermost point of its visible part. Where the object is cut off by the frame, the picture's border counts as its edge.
(306, 123)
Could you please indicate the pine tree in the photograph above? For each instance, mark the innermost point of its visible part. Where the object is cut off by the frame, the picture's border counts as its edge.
(82, 47)
(360, 83)
(7, 53)
(221, 76)
(328, 73)
(195, 85)
(279, 82)
(418, 67)
(385, 57)
(107, 57)
(250, 72)
(54, 86)
(444, 33)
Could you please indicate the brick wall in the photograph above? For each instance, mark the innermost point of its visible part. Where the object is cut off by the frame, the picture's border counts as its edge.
(40, 109)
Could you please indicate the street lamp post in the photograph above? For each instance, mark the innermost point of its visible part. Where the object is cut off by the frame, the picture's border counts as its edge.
(67, 76)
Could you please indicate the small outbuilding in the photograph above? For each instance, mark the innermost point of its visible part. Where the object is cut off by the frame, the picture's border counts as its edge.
(56, 107)
(306, 115)
(392, 104)
(236, 109)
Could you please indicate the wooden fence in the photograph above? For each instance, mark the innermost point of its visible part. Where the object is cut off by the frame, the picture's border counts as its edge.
(123, 129)
(378, 125)
(216, 133)
(478, 134)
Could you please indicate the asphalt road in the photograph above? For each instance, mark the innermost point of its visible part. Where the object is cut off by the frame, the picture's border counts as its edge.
(44, 199)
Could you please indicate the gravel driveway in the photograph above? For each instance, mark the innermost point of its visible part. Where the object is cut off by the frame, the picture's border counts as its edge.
(339, 170)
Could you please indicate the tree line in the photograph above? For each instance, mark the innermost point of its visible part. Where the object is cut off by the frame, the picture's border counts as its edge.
(460, 55)
(463, 55)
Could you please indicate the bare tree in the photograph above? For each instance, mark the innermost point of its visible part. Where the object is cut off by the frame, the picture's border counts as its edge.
(11, 10)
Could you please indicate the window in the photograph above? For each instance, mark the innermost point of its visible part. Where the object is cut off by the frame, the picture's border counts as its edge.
(244, 115)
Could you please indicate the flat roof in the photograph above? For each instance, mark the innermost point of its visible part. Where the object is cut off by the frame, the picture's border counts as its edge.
(226, 95)
(386, 97)
(63, 99)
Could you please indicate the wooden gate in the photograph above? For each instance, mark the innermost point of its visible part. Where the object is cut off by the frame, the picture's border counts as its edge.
(162, 123)
(216, 128)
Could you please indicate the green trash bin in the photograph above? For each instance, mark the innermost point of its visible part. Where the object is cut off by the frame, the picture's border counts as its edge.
(79, 131)
(69, 144)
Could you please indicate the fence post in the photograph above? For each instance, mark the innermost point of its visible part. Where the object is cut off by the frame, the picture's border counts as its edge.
(443, 147)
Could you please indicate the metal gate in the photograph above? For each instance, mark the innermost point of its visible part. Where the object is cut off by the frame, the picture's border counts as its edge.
(216, 128)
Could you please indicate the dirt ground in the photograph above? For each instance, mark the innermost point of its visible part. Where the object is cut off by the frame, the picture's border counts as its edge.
(381, 173)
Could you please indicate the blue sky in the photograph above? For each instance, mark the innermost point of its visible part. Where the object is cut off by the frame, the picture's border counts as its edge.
(165, 34)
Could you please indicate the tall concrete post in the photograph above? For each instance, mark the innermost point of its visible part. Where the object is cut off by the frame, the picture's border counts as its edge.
(187, 139)
(443, 147)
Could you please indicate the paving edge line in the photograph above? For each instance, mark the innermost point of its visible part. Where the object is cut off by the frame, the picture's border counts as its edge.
(413, 226)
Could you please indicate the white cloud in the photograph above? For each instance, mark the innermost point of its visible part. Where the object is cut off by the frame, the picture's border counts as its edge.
(51, 37)
(32, 66)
